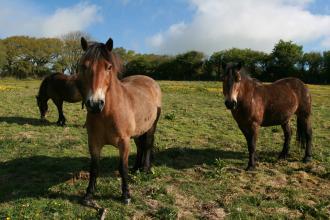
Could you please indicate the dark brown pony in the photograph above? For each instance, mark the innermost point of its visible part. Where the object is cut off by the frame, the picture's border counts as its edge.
(57, 87)
(117, 110)
(254, 104)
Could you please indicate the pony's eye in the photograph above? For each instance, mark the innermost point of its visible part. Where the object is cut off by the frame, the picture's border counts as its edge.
(108, 67)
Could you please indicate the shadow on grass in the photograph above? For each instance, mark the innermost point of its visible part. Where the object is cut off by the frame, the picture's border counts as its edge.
(34, 176)
(186, 157)
(23, 120)
(33, 121)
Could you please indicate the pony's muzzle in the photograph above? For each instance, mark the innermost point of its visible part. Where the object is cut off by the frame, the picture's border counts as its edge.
(230, 104)
(95, 106)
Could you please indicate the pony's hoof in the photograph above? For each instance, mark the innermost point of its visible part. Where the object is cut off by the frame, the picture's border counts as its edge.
(250, 168)
(134, 169)
(60, 123)
(127, 201)
(103, 212)
(307, 159)
(90, 203)
(147, 169)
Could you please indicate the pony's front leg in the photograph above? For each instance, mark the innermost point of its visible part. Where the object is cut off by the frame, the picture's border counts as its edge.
(61, 119)
(124, 148)
(93, 173)
(251, 135)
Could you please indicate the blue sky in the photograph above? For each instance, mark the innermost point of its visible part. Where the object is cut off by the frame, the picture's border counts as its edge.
(175, 26)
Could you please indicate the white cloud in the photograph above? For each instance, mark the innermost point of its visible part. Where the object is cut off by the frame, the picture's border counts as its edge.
(256, 24)
(17, 18)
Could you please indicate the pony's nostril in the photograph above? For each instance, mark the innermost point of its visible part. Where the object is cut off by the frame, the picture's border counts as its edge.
(88, 103)
(230, 104)
(101, 104)
(234, 104)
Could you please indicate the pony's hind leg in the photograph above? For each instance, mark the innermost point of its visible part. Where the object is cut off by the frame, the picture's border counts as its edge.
(144, 145)
(304, 136)
(150, 139)
(148, 151)
(140, 143)
(287, 138)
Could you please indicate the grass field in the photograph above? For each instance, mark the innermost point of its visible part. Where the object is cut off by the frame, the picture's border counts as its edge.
(198, 170)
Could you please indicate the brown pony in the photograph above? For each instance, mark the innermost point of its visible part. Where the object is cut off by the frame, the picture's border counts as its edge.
(57, 87)
(117, 110)
(254, 104)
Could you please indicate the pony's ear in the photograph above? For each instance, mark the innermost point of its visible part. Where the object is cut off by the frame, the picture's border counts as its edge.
(224, 65)
(109, 44)
(84, 43)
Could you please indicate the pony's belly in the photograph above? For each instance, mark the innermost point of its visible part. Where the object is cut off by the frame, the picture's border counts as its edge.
(276, 118)
(144, 125)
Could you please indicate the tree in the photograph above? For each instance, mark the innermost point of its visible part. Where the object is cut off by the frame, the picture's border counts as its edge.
(214, 63)
(43, 54)
(285, 58)
(311, 66)
(125, 55)
(138, 66)
(189, 65)
(71, 51)
(17, 59)
(326, 67)
(254, 61)
(30, 57)
(3, 54)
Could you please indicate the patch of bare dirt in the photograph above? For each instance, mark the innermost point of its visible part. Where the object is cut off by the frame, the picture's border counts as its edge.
(212, 212)
(152, 204)
(289, 214)
(185, 203)
(81, 175)
(25, 135)
(140, 216)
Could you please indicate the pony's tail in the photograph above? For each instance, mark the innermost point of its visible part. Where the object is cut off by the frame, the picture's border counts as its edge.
(301, 133)
(304, 131)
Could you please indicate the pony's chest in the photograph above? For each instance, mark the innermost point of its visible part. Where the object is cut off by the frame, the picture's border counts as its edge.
(248, 113)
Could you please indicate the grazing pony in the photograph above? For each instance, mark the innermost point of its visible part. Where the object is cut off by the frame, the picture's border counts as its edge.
(117, 110)
(254, 104)
(58, 87)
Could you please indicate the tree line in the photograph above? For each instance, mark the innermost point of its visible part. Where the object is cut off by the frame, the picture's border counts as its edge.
(22, 57)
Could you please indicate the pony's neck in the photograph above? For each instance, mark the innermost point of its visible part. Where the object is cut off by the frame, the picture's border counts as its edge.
(42, 94)
(114, 92)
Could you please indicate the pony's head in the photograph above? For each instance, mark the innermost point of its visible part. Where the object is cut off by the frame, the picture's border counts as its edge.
(43, 107)
(231, 83)
(97, 67)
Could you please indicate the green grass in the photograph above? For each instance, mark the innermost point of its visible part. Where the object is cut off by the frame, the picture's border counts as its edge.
(198, 170)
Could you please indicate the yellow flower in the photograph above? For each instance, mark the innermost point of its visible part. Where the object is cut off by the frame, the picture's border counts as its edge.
(4, 87)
